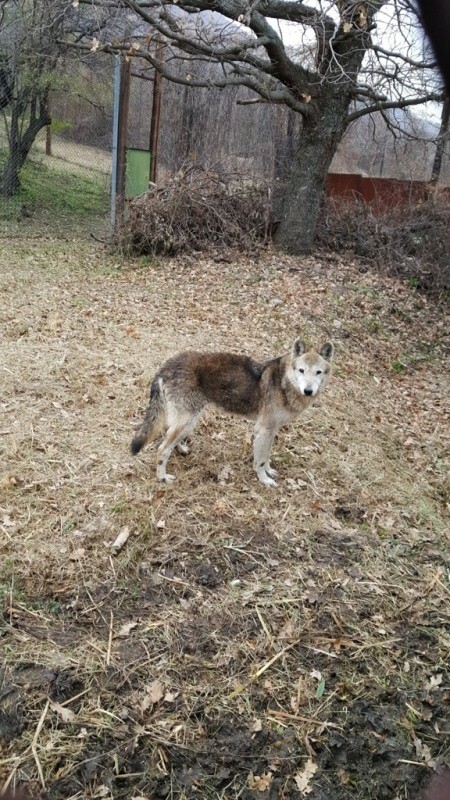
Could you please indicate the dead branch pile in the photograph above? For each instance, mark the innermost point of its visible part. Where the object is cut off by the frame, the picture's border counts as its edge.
(198, 210)
(412, 242)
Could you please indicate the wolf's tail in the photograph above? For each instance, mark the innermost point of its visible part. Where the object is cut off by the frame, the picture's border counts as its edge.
(152, 421)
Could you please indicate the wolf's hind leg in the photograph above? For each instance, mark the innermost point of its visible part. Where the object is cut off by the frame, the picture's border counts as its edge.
(179, 429)
(183, 448)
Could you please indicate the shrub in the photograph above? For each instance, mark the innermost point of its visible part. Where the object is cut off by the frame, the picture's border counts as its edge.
(411, 242)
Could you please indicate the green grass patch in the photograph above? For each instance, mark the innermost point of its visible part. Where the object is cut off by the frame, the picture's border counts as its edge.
(399, 366)
(59, 197)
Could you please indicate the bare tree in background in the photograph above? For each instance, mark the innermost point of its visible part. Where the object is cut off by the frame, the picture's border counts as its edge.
(350, 59)
(442, 140)
(29, 57)
(32, 36)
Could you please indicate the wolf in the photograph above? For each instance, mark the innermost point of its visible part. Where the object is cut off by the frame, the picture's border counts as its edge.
(272, 392)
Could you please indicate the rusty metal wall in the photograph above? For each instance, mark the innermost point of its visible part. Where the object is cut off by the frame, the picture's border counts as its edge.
(383, 194)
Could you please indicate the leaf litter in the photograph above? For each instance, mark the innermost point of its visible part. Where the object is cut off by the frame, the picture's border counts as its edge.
(241, 643)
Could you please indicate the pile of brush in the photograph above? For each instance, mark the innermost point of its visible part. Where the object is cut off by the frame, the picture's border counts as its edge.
(198, 210)
(407, 241)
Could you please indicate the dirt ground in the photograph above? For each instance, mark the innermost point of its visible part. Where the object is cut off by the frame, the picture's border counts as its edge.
(243, 642)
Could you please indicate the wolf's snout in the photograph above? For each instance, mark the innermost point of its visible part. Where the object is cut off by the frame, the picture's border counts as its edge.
(308, 392)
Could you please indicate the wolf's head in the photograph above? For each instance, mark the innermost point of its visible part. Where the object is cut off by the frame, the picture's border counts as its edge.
(309, 370)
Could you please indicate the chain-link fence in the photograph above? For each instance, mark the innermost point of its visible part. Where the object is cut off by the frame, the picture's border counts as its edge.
(65, 181)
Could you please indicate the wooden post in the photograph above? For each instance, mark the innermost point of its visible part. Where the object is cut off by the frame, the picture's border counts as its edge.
(124, 103)
(156, 114)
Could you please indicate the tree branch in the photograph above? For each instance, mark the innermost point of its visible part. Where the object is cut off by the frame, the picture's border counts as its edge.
(415, 101)
(283, 67)
(277, 94)
(289, 10)
(402, 57)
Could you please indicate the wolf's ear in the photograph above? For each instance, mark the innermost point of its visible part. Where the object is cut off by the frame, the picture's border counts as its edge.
(327, 351)
(298, 348)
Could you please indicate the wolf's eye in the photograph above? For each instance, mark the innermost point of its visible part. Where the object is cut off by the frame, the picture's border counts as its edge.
(319, 372)
(300, 369)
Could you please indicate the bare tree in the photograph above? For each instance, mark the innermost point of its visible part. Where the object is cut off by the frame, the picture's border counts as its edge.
(350, 59)
(442, 140)
(32, 36)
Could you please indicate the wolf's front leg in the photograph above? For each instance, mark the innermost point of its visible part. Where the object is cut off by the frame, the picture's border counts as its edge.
(262, 445)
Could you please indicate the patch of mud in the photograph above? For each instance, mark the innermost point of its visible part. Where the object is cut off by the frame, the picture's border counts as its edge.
(339, 547)
(374, 757)
(26, 679)
(12, 721)
(349, 509)
(366, 761)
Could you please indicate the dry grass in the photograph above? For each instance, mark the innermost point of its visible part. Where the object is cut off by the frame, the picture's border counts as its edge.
(241, 637)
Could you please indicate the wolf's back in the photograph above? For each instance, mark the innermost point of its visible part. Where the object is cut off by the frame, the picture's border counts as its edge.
(151, 423)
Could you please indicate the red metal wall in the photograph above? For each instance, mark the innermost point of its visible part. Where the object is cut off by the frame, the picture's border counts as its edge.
(382, 193)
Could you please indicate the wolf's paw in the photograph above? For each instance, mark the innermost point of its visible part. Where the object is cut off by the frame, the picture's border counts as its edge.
(271, 472)
(265, 479)
(166, 478)
(183, 448)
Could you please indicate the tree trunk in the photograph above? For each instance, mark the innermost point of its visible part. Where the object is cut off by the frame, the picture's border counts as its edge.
(317, 143)
(442, 139)
(9, 181)
(19, 148)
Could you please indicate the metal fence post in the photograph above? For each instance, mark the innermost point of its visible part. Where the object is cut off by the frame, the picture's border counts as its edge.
(122, 136)
(115, 138)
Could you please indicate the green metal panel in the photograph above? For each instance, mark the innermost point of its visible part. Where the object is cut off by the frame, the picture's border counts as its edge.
(138, 171)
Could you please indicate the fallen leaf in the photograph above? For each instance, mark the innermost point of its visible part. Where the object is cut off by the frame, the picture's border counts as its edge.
(77, 554)
(287, 631)
(344, 776)
(125, 629)
(303, 778)
(311, 597)
(65, 714)
(177, 729)
(155, 692)
(224, 474)
(433, 682)
(130, 331)
(424, 753)
(257, 726)
(169, 697)
(259, 782)
(102, 791)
